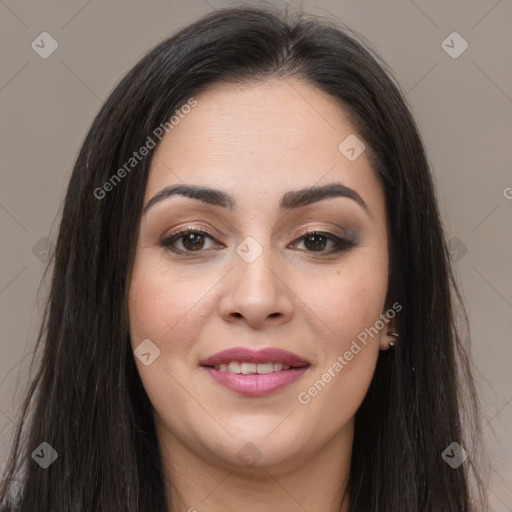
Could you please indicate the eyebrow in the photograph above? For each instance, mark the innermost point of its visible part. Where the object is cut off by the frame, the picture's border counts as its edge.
(290, 200)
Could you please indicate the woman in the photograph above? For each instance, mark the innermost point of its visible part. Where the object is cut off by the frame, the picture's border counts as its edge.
(251, 300)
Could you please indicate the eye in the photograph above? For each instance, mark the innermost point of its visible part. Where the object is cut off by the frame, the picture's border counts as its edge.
(316, 241)
(192, 240)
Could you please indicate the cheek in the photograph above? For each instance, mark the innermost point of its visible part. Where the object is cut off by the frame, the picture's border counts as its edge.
(350, 306)
(167, 309)
(347, 301)
(164, 306)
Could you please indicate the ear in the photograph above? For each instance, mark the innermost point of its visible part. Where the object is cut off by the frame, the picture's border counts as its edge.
(385, 338)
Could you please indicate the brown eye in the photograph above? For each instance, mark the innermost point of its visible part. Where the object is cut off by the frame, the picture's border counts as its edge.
(316, 241)
(192, 240)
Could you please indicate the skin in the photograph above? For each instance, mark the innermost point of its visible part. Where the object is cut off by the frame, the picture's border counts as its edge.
(257, 142)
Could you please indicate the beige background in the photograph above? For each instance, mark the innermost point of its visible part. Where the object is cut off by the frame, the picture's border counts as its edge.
(463, 106)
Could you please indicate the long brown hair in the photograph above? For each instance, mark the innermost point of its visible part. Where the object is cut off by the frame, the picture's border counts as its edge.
(87, 400)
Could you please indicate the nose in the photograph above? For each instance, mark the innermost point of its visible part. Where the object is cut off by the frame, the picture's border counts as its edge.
(256, 292)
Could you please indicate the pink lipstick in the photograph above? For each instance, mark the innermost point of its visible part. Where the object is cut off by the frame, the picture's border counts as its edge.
(255, 373)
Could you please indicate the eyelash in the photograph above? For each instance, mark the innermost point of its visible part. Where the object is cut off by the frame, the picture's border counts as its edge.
(341, 244)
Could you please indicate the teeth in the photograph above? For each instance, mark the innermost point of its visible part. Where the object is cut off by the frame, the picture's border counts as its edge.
(246, 368)
(265, 368)
(234, 367)
(251, 368)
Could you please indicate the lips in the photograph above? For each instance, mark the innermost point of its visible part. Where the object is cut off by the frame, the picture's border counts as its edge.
(246, 355)
(287, 368)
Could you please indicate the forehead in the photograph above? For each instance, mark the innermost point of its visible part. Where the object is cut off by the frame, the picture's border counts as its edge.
(260, 140)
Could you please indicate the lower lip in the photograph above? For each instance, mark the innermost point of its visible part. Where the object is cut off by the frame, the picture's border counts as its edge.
(255, 384)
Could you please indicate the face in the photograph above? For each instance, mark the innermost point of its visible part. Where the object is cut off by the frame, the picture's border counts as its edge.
(249, 276)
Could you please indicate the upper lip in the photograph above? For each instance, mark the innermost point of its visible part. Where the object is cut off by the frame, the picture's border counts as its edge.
(266, 355)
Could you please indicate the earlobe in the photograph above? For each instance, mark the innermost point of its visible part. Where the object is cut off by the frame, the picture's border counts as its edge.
(390, 336)
(394, 338)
